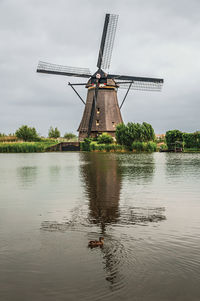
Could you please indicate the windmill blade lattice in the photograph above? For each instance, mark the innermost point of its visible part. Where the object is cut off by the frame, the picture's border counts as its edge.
(44, 67)
(107, 41)
(140, 85)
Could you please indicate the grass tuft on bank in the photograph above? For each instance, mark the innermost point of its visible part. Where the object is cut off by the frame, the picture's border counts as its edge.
(26, 147)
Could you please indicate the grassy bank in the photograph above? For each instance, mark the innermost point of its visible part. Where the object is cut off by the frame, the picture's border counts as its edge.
(191, 150)
(43, 146)
(93, 146)
(136, 147)
(26, 147)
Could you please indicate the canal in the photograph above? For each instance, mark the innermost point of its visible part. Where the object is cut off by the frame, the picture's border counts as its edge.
(146, 206)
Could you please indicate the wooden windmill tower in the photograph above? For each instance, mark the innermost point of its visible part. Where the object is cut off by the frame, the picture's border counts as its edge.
(102, 111)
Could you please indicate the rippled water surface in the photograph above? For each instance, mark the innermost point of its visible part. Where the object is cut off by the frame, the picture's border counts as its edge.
(146, 206)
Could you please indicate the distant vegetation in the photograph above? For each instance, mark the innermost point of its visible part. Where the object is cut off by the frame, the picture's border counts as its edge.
(53, 133)
(189, 140)
(70, 136)
(9, 138)
(26, 133)
(133, 137)
(26, 139)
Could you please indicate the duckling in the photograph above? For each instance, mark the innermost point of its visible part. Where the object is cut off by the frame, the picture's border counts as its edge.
(96, 243)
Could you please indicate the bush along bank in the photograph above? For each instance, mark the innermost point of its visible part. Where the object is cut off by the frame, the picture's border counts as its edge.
(150, 146)
(104, 143)
(93, 146)
(190, 141)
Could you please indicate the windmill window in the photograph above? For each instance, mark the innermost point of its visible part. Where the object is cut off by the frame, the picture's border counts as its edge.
(98, 110)
(97, 122)
(113, 124)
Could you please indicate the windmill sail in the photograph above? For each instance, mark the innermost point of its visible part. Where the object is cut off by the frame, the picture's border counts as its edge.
(107, 41)
(138, 83)
(44, 67)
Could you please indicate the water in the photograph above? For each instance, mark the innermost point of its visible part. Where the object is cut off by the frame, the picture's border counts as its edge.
(146, 206)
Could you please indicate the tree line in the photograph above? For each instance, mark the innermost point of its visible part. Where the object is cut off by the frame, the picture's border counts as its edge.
(27, 134)
(189, 140)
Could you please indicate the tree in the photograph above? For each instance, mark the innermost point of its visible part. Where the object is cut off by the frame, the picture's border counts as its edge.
(70, 136)
(104, 139)
(134, 132)
(192, 140)
(149, 134)
(173, 136)
(53, 133)
(27, 133)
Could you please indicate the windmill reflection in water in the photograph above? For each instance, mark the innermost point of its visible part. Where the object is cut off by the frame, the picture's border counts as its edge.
(102, 176)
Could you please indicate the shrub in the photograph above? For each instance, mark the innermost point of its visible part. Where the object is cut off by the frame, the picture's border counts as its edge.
(144, 146)
(85, 145)
(192, 140)
(70, 136)
(173, 136)
(138, 146)
(105, 139)
(27, 133)
(92, 145)
(163, 147)
(89, 145)
(151, 146)
(53, 133)
(106, 147)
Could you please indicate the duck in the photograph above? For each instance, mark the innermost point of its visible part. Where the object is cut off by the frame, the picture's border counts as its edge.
(96, 243)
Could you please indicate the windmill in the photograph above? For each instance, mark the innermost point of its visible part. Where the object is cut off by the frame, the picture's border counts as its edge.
(102, 111)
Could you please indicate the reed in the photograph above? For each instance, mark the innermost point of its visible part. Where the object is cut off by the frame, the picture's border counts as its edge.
(144, 146)
(25, 147)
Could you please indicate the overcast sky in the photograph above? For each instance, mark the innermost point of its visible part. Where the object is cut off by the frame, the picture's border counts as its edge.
(154, 38)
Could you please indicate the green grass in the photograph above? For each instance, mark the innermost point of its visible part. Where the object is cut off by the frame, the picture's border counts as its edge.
(191, 150)
(144, 146)
(94, 146)
(26, 147)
